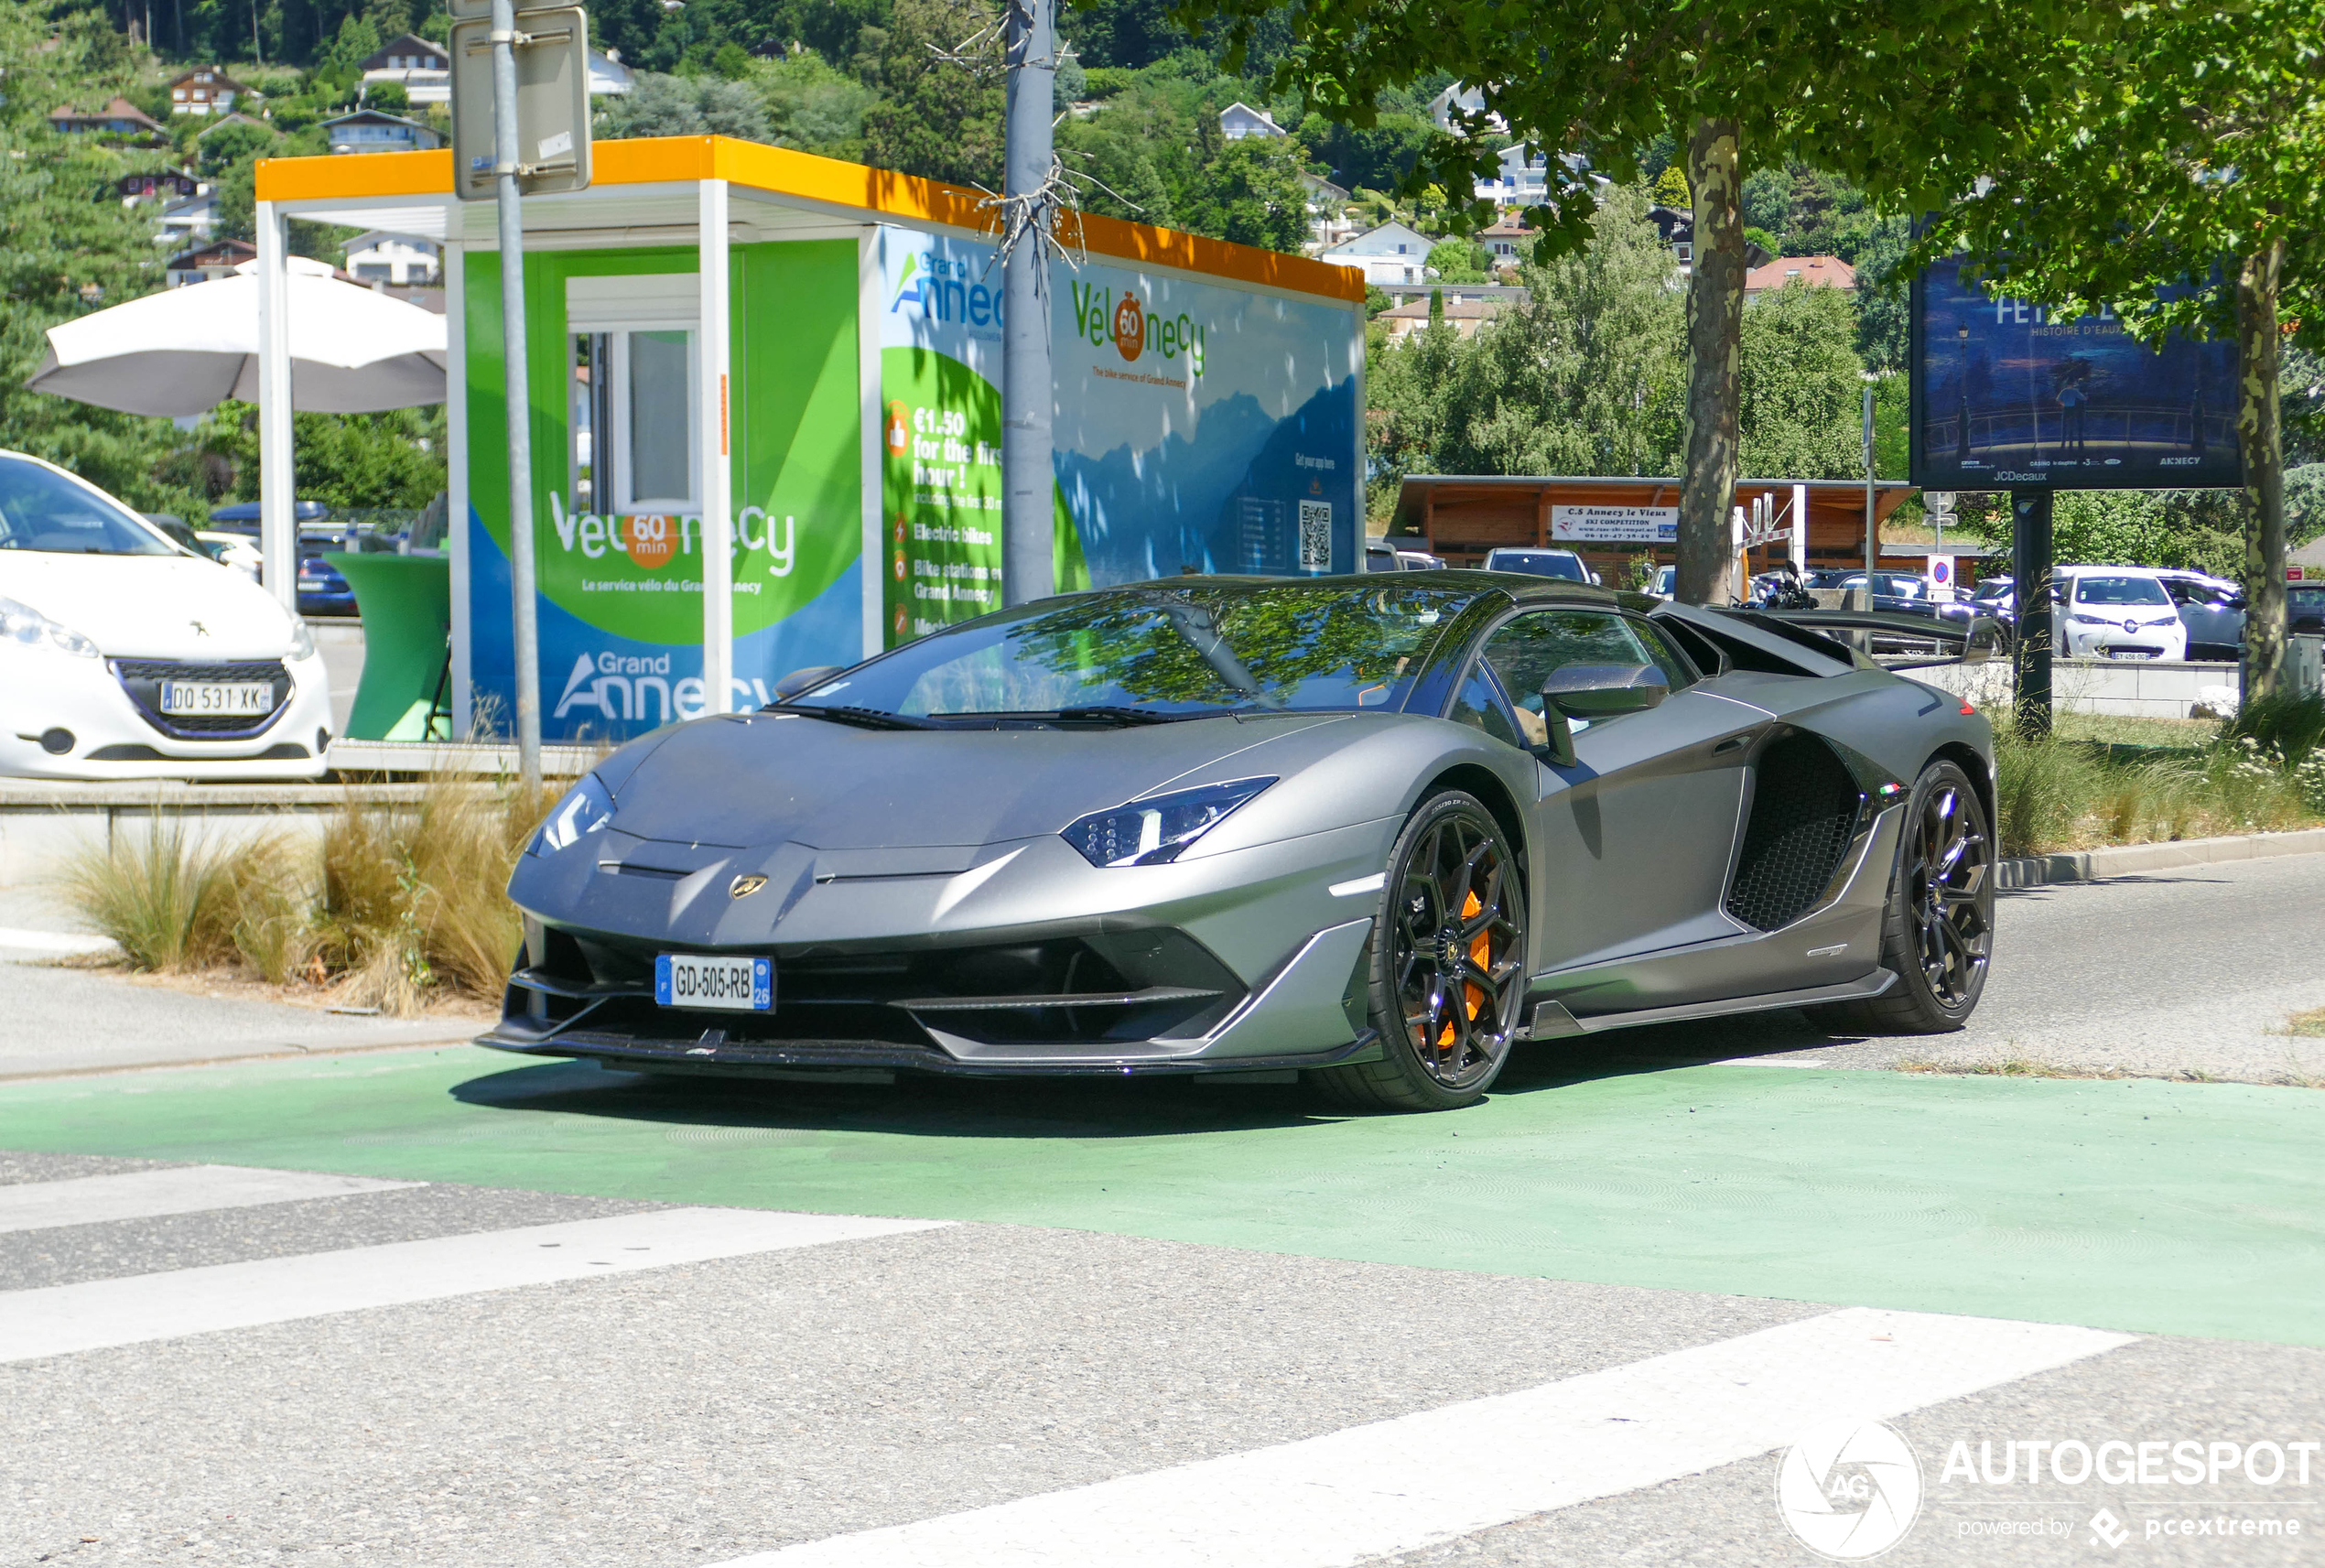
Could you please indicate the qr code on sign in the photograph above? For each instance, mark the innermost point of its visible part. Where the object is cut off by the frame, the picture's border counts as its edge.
(1315, 536)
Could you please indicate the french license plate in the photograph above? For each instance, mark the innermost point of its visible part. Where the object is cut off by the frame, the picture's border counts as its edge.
(198, 698)
(720, 984)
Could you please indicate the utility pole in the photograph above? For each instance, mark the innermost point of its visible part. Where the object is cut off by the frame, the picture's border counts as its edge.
(517, 395)
(2030, 564)
(1872, 545)
(1027, 387)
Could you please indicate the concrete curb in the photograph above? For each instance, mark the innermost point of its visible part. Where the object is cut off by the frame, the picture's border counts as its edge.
(2131, 860)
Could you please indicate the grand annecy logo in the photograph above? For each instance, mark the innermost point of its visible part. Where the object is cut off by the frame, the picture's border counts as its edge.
(1134, 328)
(942, 288)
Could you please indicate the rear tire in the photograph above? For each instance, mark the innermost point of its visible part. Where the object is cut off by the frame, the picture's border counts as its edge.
(1937, 931)
(1447, 964)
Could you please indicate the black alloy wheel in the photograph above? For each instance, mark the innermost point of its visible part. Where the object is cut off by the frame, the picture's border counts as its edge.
(1948, 883)
(1448, 963)
(1937, 931)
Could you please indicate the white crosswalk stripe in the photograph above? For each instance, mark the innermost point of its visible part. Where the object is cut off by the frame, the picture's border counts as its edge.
(179, 1189)
(58, 1320)
(1397, 1486)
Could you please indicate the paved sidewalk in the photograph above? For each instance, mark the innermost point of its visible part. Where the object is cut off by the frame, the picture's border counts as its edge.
(63, 1020)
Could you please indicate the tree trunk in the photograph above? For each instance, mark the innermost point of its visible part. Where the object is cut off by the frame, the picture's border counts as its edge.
(1714, 336)
(2260, 440)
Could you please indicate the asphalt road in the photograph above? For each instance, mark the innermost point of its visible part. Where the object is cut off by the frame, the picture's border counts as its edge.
(2187, 973)
(544, 1314)
(990, 1393)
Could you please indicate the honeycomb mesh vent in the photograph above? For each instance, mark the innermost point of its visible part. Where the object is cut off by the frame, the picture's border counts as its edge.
(1804, 807)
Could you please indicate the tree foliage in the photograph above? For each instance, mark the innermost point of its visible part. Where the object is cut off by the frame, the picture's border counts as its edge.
(1588, 376)
(677, 106)
(2175, 180)
(68, 247)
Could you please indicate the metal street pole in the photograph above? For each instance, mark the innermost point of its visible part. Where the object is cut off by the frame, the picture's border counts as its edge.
(1872, 546)
(2030, 564)
(1027, 388)
(517, 393)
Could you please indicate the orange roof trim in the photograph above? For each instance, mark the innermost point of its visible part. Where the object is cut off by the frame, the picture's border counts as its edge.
(901, 197)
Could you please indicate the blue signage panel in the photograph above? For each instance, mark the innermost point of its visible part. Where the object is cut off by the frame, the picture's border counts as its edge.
(2007, 395)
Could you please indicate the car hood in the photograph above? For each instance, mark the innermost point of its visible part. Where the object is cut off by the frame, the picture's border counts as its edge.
(764, 778)
(159, 606)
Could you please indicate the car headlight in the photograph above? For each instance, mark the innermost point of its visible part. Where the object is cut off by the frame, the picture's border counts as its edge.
(302, 645)
(2090, 621)
(583, 811)
(23, 623)
(1151, 832)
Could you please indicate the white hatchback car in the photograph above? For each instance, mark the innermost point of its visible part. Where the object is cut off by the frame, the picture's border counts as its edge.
(2117, 612)
(123, 655)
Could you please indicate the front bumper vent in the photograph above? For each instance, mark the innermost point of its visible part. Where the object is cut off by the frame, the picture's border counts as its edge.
(1106, 988)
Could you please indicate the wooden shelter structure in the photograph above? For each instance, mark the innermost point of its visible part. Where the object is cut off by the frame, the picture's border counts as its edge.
(1462, 516)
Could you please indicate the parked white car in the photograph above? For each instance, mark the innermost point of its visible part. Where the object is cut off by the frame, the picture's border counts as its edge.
(2117, 612)
(125, 655)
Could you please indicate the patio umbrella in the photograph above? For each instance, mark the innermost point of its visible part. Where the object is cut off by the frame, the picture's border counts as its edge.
(185, 349)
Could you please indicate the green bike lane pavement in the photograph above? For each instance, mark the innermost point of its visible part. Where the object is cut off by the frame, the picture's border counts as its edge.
(2135, 1205)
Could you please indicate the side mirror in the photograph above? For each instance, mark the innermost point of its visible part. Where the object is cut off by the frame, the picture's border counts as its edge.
(1604, 691)
(1984, 641)
(798, 681)
(1595, 691)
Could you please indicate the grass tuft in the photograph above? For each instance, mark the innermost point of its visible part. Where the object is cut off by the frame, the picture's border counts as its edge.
(164, 897)
(2008, 1068)
(2068, 792)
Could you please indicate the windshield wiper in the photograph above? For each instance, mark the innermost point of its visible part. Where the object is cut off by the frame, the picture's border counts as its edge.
(1117, 713)
(1095, 712)
(862, 718)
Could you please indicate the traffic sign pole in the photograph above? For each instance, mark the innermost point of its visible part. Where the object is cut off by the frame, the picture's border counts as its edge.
(518, 395)
(2030, 570)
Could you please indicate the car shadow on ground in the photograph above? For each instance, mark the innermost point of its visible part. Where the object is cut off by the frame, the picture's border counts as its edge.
(933, 1106)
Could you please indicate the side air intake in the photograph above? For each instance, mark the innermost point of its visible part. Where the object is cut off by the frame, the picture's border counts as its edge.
(1804, 810)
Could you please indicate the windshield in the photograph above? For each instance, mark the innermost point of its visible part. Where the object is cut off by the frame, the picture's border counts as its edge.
(1162, 652)
(42, 510)
(2120, 591)
(1540, 563)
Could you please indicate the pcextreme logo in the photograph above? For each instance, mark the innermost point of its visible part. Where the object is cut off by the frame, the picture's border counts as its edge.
(1098, 316)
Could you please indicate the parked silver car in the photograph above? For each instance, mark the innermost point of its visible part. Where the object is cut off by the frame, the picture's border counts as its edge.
(2213, 613)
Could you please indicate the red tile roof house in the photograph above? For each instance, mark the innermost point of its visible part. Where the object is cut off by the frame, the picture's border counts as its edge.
(1817, 271)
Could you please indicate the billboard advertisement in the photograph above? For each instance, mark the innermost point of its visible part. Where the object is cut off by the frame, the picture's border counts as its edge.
(619, 600)
(1595, 524)
(2007, 395)
(1196, 427)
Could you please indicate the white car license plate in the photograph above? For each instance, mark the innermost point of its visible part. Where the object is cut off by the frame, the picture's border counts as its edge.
(196, 698)
(720, 984)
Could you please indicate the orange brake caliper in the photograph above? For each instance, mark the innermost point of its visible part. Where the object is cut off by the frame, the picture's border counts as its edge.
(1481, 950)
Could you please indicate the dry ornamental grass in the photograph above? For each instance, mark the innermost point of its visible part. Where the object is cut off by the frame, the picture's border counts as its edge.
(399, 902)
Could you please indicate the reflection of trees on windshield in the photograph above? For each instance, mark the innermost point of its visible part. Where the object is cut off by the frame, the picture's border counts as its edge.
(1289, 645)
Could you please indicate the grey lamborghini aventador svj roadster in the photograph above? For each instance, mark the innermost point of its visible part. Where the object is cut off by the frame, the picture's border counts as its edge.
(1376, 831)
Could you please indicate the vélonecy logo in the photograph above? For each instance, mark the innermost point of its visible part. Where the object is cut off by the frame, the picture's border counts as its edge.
(1849, 1489)
(1132, 328)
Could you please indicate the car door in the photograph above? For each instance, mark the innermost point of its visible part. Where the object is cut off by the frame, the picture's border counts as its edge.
(1632, 843)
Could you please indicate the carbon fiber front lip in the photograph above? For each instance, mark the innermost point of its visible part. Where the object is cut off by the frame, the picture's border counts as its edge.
(742, 1061)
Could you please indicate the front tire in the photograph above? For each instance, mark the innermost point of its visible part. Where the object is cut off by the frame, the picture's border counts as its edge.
(1447, 955)
(1937, 931)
